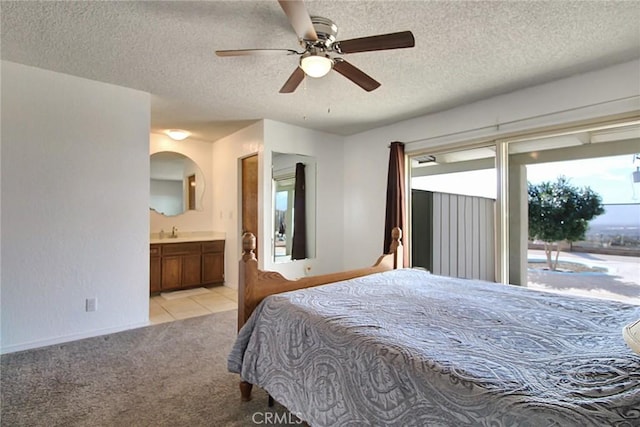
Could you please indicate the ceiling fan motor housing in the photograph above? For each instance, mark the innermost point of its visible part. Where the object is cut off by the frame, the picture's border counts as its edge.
(326, 30)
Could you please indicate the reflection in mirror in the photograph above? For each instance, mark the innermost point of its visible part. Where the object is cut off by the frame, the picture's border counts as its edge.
(177, 184)
(284, 187)
(294, 188)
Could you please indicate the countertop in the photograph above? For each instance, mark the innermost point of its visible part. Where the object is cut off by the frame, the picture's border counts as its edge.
(190, 236)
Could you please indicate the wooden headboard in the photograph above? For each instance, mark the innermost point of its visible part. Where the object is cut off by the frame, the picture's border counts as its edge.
(255, 285)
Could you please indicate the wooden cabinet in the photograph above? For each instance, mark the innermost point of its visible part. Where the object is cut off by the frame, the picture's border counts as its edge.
(155, 270)
(192, 270)
(185, 265)
(171, 273)
(213, 261)
(181, 265)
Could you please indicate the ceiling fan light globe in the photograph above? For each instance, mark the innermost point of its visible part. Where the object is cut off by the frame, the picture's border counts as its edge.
(316, 65)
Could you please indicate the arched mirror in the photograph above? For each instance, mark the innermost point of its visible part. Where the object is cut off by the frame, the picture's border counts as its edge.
(294, 206)
(177, 184)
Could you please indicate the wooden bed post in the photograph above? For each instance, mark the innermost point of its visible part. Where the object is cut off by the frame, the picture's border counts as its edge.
(396, 248)
(245, 391)
(248, 272)
(248, 275)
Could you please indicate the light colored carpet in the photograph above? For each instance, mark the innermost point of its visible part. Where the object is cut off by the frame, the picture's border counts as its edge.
(172, 374)
(183, 294)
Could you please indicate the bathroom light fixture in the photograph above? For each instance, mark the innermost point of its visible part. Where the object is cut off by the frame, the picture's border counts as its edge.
(315, 65)
(177, 134)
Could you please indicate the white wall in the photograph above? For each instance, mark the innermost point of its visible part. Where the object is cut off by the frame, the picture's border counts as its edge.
(75, 192)
(605, 92)
(327, 149)
(226, 190)
(196, 220)
(365, 192)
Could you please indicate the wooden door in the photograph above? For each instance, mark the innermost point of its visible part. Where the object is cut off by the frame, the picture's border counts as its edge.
(192, 192)
(250, 197)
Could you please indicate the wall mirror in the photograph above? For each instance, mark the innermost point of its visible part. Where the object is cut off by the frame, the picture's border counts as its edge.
(294, 207)
(177, 184)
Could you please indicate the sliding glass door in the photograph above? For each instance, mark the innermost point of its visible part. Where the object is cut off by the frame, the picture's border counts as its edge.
(603, 161)
(453, 217)
(469, 207)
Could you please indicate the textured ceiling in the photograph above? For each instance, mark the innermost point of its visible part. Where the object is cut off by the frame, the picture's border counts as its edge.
(464, 51)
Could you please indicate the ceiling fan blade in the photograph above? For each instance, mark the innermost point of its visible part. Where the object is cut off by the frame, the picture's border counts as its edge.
(299, 18)
(380, 42)
(294, 81)
(247, 52)
(356, 75)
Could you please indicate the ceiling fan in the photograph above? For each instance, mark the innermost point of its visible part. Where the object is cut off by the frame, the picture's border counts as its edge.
(317, 37)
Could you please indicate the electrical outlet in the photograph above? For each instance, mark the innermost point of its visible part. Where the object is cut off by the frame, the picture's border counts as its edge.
(92, 304)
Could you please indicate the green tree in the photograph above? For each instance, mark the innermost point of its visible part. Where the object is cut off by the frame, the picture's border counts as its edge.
(559, 211)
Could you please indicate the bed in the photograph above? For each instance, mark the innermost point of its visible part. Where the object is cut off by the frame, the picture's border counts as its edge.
(404, 347)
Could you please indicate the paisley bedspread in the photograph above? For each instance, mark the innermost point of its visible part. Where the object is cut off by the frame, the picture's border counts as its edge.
(406, 348)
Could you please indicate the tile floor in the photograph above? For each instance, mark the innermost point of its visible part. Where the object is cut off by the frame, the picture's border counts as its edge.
(218, 298)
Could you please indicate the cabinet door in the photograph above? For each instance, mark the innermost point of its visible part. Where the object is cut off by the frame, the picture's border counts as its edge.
(171, 272)
(155, 268)
(154, 275)
(213, 267)
(191, 266)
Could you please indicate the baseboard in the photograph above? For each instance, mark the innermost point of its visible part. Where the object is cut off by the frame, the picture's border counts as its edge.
(68, 338)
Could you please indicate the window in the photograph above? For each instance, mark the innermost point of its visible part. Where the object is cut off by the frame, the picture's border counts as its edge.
(498, 171)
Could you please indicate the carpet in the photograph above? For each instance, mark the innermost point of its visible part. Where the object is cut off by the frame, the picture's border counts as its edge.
(184, 294)
(172, 374)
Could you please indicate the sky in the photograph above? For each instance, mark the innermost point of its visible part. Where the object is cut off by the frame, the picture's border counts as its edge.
(608, 176)
(611, 177)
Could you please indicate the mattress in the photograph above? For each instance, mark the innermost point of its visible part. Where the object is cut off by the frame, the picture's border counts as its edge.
(408, 348)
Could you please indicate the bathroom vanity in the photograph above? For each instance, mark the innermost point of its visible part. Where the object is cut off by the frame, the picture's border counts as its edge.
(183, 263)
(181, 259)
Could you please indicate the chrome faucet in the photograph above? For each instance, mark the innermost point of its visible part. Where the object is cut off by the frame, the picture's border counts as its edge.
(174, 232)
